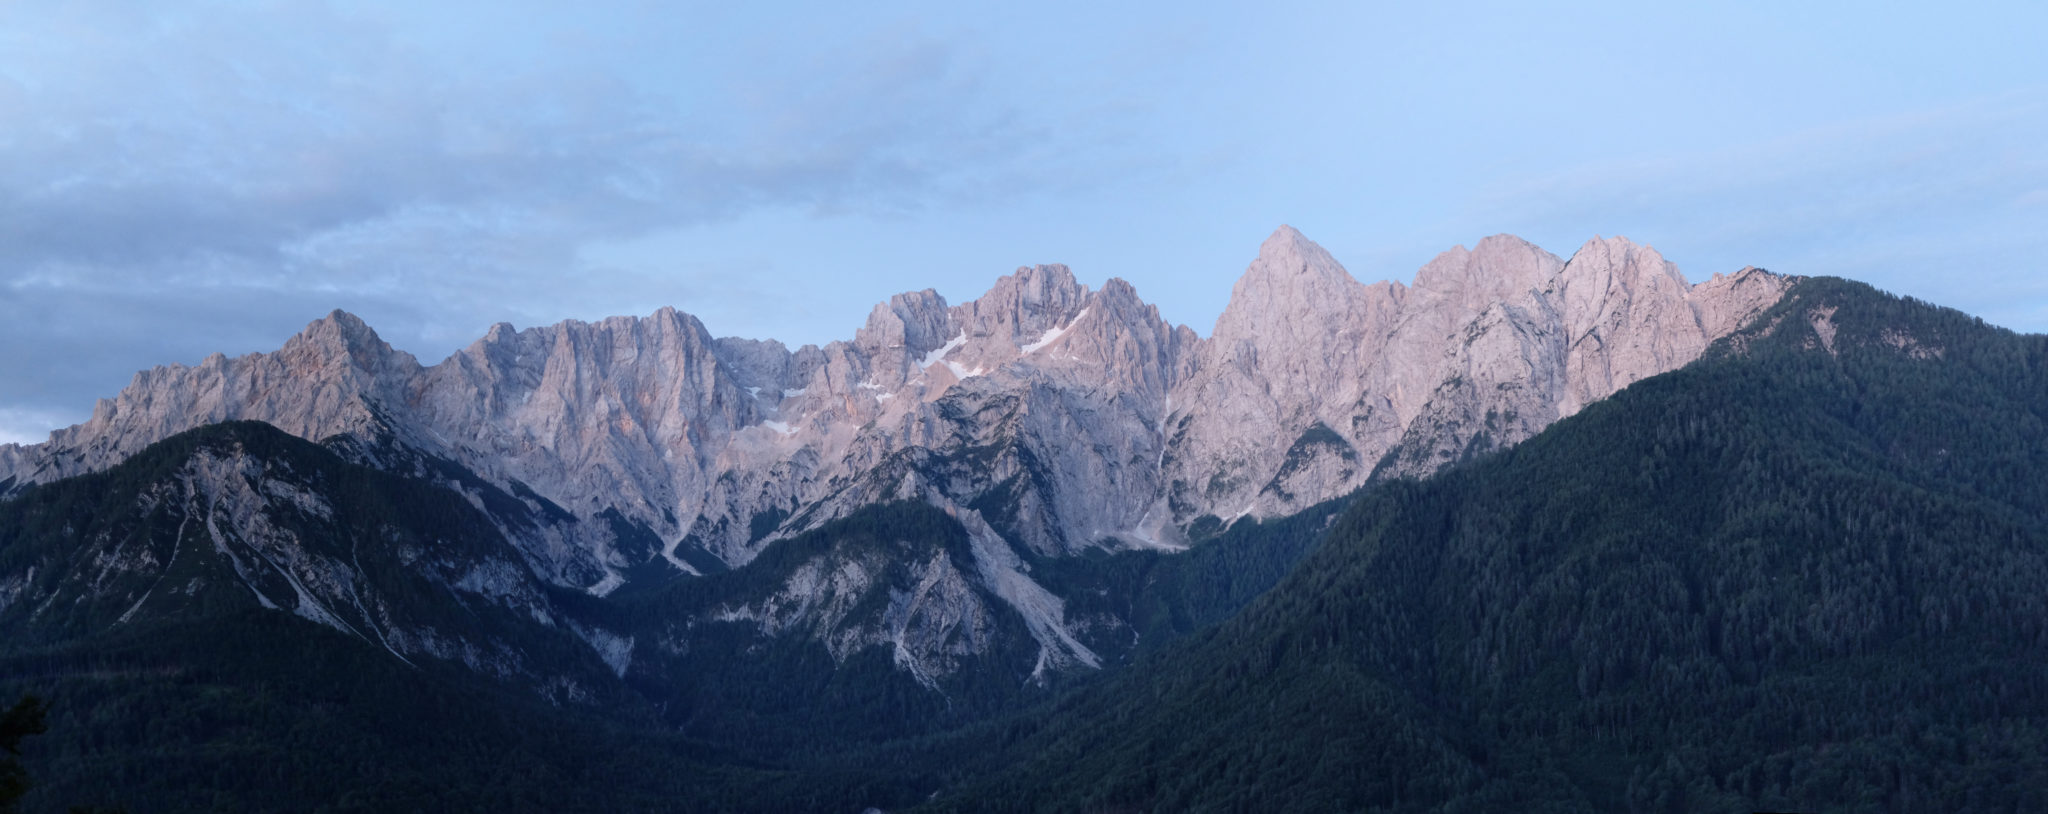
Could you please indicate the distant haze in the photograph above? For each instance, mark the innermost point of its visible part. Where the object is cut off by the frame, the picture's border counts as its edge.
(176, 181)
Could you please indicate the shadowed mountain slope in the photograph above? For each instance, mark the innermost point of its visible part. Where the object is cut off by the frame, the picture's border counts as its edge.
(1801, 574)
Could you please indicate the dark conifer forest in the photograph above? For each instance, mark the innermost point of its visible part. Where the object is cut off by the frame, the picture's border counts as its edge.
(1802, 574)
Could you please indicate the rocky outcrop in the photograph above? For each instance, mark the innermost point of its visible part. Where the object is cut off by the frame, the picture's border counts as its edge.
(1063, 417)
(1313, 382)
(328, 380)
(622, 414)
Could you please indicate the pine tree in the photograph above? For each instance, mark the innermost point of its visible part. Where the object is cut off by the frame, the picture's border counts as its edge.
(23, 720)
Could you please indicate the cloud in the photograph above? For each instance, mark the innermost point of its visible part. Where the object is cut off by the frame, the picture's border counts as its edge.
(21, 426)
(1934, 203)
(202, 138)
(165, 170)
(1926, 167)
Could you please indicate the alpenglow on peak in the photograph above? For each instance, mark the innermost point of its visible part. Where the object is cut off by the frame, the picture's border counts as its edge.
(1086, 417)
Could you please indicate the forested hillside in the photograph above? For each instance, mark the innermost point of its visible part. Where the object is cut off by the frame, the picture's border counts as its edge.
(175, 681)
(182, 647)
(1802, 574)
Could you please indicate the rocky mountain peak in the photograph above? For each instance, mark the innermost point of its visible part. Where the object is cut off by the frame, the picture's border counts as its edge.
(1023, 305)
(1612, 280)
(915, 321)
(1118, 297)
(341, 326)
(1294, 285)
(1289, 266)
(340, 338)
(1509, 257)
(1725, 301)
(1498, 268)
(1288, 242)
(1640, 264)
(1627, 313)
(1094, 417)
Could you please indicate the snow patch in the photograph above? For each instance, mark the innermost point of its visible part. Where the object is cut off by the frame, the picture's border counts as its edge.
(780, 427)
(963, 373)
(1053, 334)
(941, 351)
(790, 394)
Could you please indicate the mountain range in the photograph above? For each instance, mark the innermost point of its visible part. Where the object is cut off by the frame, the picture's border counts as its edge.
(1800, 574)
(1051, 419)
(1049, 529)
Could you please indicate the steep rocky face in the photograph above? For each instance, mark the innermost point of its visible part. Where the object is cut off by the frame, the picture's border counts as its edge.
(621, 413)
(1486, 348)
(946, 597)
(1065, 417)
(1022, 393)
(1614, 314)
(848, 601)
(1626, 315)
(327, 380)
(1293, 348)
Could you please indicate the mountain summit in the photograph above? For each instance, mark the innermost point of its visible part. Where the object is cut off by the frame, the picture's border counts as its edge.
(1074, 418)
(1800, 574)
(1312, 382)
(924, 568)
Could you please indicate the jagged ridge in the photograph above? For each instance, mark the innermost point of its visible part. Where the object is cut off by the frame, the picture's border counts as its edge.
(1093, 420)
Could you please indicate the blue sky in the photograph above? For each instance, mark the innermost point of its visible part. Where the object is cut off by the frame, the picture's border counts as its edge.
(182, 179)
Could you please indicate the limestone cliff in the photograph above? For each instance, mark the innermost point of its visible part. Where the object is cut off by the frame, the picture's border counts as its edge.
(1068, 417)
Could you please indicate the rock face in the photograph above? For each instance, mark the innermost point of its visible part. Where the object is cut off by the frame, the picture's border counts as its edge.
(1065, 417)
(328, 380)
(939, 610)
(1312, 381)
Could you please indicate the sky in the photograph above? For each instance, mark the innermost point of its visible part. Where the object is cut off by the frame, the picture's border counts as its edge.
(183, 179)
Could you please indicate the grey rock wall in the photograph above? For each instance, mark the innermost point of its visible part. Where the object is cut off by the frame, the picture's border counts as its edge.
(1076, 417)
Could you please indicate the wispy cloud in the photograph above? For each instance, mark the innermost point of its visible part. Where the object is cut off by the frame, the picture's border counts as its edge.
(166, 141)
(19, 426)
(162, 165)
(1939, 203)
